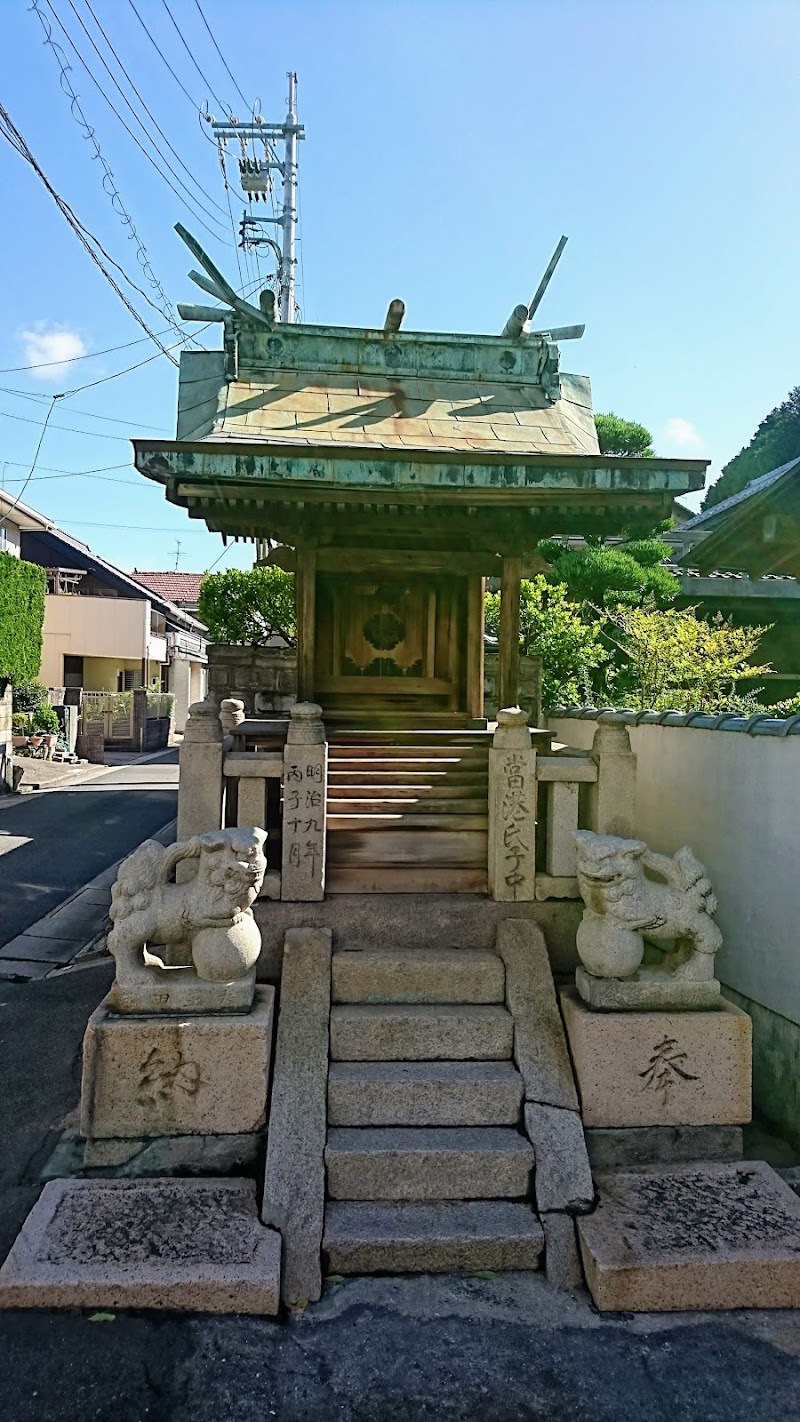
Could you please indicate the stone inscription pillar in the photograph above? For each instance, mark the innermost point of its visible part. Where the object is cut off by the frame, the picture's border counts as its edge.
(512, 809)
(305, 796)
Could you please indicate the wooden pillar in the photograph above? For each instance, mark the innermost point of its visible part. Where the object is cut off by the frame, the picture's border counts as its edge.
(306, 584)
(508, 679)
(476, 592)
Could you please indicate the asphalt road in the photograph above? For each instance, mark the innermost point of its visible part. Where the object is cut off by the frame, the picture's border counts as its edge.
(53, 843)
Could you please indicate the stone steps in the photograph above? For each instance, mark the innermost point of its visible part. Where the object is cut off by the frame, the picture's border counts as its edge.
(369, 817)
(372, 1238)
(420, 1032)
(427, 1163)
(424, 1094)
(413, 975)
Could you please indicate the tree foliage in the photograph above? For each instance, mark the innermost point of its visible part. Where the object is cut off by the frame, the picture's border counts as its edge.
(22, 595)
(606, 576)
(624, 438)
(676, 660)
(552, 628)
(775, 442)
(248, 606)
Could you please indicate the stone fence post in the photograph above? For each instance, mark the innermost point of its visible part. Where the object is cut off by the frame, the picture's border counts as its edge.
(231, 715)
(611, 800)
(200, 779)
(512, 809)
(305, 799)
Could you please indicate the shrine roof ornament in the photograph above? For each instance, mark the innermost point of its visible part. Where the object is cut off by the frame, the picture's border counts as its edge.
(426, 416)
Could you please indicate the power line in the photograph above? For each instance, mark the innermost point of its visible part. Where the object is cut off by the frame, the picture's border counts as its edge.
(49, 478)
(219, 52)
(160, 52)
(102, 469)
(204, 78)
(69, 360)
(94, 434)
(15, 504)
(108, 181)
(135, 527)
(150, 114)
(186, 201)
(110, 419)
(87, 239)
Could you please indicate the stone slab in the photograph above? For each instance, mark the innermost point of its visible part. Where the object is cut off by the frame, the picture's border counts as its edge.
(424, 1094)
(23, 969)
(562, 1258)
(648, 991)
(660, 1068)
(562, 1179)
(419, 1163)
(420, 1032)
(162, 1076)
(540, 1047)
(702, 1236)
(444, 975)
(79, 918)
(194, 1245)
(29, 947)
(612, 1147)
(372, 1238)
(294, 1183)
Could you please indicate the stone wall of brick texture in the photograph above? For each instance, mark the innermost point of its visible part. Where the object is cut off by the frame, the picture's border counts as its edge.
(264, 678)
(530, 686)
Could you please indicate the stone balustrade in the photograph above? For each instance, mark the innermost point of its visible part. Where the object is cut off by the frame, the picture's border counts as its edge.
(540, 794)
(266, 772)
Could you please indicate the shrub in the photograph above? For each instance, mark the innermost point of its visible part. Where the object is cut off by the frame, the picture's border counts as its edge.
(22, 594)
(46, 720)
(29, 695)
(551, 627)
(677, 660)
(248, 607)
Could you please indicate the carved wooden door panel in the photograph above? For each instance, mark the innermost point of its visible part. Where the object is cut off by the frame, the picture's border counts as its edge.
(388, 641)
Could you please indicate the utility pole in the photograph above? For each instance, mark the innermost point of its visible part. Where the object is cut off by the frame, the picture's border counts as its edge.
(255, 177)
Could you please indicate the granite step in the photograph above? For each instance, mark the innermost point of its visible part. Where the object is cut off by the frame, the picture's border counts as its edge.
(373, 1238)
(403, 1032)
(424, 1094)
(428, 1163)
(430, 975)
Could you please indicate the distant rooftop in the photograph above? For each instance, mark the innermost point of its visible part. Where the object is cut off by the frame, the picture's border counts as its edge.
(176, 587)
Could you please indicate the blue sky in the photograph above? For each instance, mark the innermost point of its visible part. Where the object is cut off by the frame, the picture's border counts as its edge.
(449, 144)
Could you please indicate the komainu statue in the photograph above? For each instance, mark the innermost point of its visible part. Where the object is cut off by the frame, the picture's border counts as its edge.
(635, 897)
(190, 946)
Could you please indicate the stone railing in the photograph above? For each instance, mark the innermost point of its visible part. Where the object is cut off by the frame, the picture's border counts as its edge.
(269, 773)
(539, 794)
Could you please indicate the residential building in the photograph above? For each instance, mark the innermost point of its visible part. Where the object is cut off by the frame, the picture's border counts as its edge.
(103, 630)
(182, 589)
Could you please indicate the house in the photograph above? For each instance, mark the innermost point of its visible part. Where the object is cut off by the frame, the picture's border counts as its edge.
(741, 558)
(16, 517)
(182, 589)
(103, 631)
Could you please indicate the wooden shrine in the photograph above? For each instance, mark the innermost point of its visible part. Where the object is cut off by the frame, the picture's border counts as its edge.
(394, 472)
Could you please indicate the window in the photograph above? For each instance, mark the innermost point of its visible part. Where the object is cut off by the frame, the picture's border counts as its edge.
(73, 671)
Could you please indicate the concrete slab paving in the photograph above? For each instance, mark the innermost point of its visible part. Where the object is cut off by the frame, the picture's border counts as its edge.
(30, 947)
(22, 969)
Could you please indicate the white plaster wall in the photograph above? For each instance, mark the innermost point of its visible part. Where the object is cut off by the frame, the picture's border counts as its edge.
(116, 627)
(735, 799)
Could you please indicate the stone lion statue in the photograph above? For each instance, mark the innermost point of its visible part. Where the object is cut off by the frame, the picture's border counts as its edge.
(205, 923)
(626, 905)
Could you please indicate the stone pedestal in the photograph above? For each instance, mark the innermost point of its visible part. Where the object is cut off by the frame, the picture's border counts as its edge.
(512, 809)
(649, 990)
(160, 1076)
(660, 1068)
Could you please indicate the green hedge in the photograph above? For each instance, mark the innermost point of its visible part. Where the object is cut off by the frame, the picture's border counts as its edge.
(22, 593)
